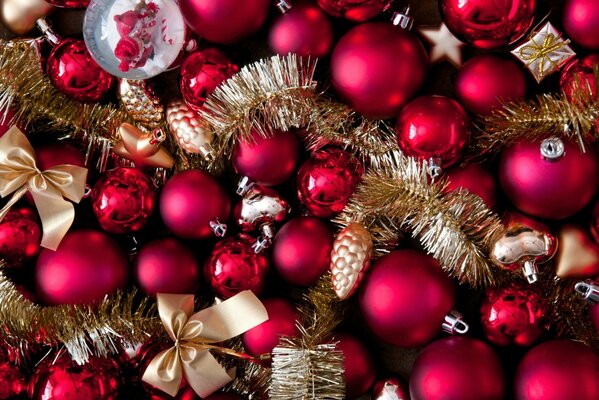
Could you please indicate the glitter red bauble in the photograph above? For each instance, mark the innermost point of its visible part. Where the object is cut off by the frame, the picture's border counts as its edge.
(326, 181)
(69, 3)
(302, 250)
(486, 81)
(20, 237)
(488, 24)
(474, 178)
(405, 298)
(355, 10)
(190, 200)
(73, 71)
(360, 370)
(457, 368)
(433, 127)
(201, 72)
(581, 22)
(552, 189)
(86, 266)
(234, 267)
(224, 21)
(556, 370)
(12, 381)
(282, 320)
(377, 67)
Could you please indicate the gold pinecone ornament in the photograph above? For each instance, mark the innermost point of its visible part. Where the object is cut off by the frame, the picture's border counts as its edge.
(191, 131)
(141, 103)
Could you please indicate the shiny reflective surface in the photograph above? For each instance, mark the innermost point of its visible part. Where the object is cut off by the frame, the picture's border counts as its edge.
(259, 206)
(20, 237)
(355, 10)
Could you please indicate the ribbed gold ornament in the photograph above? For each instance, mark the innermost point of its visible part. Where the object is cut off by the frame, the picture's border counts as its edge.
(141, 103)
(191, 131)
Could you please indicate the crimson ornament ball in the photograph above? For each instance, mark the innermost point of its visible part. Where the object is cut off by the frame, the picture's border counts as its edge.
(581, 22)
(12, 380)
(355, 10)
(360, 370)
(474, 178)
(20, 237)
(69, 3)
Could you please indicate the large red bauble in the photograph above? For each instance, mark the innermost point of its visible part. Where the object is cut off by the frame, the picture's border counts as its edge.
(86, 266)
(267, 161)
(20, 237)
(581, 22)
(166, 266)
(69, 3)
(447, 369)
(488, 24)
(12, 381)
(282, 320)
(486, 81)
(548, 189)
(556, 370)
(377, 67)
(73, 71)
(360, 370)
(224, 21)
(405, 298)
(433, 127)
(355, 10)
(190, 200)
(474, 178)
(302, 250)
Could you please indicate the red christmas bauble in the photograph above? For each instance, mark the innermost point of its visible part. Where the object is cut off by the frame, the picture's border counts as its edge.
(201, 72)
(486, 81)
(304, 30)
(51, 155)
(12, 381)
(390, 388)
(267, 161)
(166, 266)
(69, 3)
(488, 24)
(377, 67)
(545, 188)
(326, 181)
(302, 250)
(192, 199)
(581, 22)
(73, 71)
(405, 298)
(556, 370)
(360, 370)
(433, 127)
(474, 178)
(448, 368)
(355, 10)
(234, 267)
(224, 21)
(86, 266)
(20, 237)
(577, 79)
(282, 320)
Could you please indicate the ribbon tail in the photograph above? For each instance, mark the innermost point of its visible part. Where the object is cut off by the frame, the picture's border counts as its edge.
(57, 216)
(165, 372)
(203, 373)
(13, 200)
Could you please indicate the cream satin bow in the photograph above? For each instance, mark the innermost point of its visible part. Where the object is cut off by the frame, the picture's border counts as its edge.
(19, 174)
(194, 335)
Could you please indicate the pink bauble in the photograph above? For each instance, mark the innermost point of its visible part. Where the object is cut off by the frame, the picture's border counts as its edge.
(405, 298)
(486, 81)
(166, 266)
(488, 24)
(581, 22)
(457, 368)
(302, 250)
(474, 178)
(557, 370)
(282, 320)
(377, 67)
(69, 3)
(20, 237)
(12, 381)
(543, 188)
(86, 266)
(355, 10)
(360, 370)
(433, 127)
(391, 388)
(267, 161)
(224, 21)
(192, 199)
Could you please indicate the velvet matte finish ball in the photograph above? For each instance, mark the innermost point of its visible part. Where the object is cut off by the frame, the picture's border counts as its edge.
(282, 320)
(581, 22)
(360, 370)
(474, 178)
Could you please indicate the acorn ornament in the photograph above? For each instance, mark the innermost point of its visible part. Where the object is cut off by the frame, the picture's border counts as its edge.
(141, 103)
(192, 133)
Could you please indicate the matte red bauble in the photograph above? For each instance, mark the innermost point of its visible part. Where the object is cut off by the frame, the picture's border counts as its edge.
(69, 3)
(192, 199)
(556, 370)
(166, 266)
(201, 72)
(391, 388)
(12, 381)
(486, 81)
(548, 188)
(355, 10)
(433, 127)
(377, 67)
(267, 161)
(359, 367)
(20, 237)
(73, 71)
(302, 250)
(86, 266)
(581, 22)
(224, 21)
(474, 178)
(447, 369)
(405, 298)
(488, 24)
(282, 320)
(326, 181)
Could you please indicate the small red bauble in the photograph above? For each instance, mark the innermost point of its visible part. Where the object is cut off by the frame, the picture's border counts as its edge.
(201, 72)
(73, 71)
(12, 381)
(192, 199)
(326, 181)
(282, 320)
(431, 127)
(20, 237)
(405, 298)
(355, 10)
(457, 368)
(377, 67)
(581, 22)
(556, 370)
(391, 388)
(69, 3)
(486, 81)
(360, 370)
(474, 178)
(86, 266)
(488, 24)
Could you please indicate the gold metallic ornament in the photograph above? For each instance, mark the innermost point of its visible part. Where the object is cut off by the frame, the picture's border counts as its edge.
(192, 132)
(141, 103)
(143, 148)
(20, 16)
(578, 255)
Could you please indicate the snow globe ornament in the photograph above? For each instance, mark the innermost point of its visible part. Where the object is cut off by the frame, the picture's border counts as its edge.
(134, 39)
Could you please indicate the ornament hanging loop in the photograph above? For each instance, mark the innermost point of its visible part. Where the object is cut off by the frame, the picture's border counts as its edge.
(44, 25)
(589, 291)
(454, 323)
(552, 149)
(403, 19)
(434, 167)
(283, 6)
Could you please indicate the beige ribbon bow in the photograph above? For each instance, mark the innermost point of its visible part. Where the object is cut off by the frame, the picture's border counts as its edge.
(194, 335)
(19, 174)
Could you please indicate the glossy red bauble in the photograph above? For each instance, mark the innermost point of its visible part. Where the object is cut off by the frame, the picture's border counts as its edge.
(20, 237)
(355, 10)
(69, 3)
(282, 320)
(377, 67)
(581, 22)
(12, 381)
(474, 178)
(578, 81)
(360, 370)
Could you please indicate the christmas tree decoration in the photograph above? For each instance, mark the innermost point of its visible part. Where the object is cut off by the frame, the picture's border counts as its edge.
(13, 381)
(191, 132)
(143, 148)
(355, 10)
(578, 255)
(359, 366)
(391, 388)
(580, 21)
(21, 16)
(69, 3)
(474, 178)
(141, 102)
(444, 45)
(579, 76)
(20, 237)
